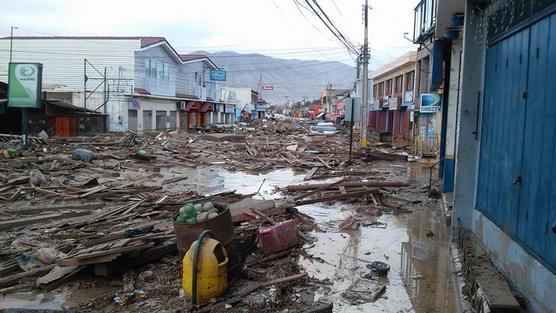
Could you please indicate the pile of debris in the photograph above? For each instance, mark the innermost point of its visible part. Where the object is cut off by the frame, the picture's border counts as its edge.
(106, 204)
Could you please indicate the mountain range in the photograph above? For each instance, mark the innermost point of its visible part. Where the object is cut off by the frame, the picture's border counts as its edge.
(292, 78)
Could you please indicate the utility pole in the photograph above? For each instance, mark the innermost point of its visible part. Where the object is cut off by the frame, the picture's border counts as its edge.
(365, 92)
(329, 98)
(11, 40)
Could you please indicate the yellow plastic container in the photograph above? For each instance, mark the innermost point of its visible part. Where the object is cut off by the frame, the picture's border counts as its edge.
(212, 270)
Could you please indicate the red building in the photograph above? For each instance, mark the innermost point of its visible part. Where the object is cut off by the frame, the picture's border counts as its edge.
(392, 110)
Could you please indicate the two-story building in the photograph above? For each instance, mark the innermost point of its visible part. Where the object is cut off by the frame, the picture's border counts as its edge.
(392, 106)
(438, 32)
(142, 83)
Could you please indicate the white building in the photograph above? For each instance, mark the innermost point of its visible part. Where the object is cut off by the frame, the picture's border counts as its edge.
(246, 100)
(143, 83)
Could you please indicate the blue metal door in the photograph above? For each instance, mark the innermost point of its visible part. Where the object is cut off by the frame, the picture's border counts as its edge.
(537, 209)
(517, 169)
(502, 130)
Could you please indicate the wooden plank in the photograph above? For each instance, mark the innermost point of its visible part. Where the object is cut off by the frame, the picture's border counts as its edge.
(133, 207)
(57, 207)
(337, 197)
(324, 187)
(332, 186)
(112, 251)
(323, 162)
(93, 191)
(14, 279)
(37, 219)
(342, 189)
(174, 180)
(101, 259)
(269, 212)
(311, 173)
(55, 274)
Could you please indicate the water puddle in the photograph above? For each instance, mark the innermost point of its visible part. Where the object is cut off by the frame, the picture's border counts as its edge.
(53, 301)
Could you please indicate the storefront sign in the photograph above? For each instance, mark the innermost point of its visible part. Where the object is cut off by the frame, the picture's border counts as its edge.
(430, 103)
(25, 83)
(217, 75)
(408, 96)
(267, 87)
(393, 103)
(385, 103)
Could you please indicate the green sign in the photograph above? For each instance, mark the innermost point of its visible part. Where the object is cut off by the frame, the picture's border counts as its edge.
(24, 85)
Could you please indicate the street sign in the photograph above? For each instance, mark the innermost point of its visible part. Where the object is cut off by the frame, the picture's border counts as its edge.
(356, 104)
(217, 75)
(267, 87)
(24, 85)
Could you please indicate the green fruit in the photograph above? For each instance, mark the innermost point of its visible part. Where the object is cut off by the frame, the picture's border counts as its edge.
(181, 219)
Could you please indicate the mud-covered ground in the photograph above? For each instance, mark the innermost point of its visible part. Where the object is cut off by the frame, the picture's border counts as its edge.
(417, 282)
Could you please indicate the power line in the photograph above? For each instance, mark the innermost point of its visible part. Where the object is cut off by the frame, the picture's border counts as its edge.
(334, 26)
(336, 6)
(297, 4)
(155, 57)
(346, 44)
(175, 47)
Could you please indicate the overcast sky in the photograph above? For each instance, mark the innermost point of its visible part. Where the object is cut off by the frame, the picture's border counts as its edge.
(272, 27)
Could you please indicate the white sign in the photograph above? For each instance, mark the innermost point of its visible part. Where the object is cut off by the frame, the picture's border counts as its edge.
(408, 96)
(393, 103)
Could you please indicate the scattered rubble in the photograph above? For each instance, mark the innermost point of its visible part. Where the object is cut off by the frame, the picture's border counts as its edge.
(105, 205)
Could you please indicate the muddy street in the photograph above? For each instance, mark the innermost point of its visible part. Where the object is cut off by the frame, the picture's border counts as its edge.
(349, 218)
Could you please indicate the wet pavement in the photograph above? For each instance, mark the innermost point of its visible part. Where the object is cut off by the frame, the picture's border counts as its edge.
(419, 279)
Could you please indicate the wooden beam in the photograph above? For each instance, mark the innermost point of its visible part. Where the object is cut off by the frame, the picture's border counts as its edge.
(14, 279)
(337, 197)
(347, 184)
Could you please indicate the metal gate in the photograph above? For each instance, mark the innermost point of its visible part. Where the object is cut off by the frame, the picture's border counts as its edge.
(517, 173)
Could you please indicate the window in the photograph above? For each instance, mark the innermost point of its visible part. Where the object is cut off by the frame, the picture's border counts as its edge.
(375, 88)
(425, 16)
(147, 67)
(165, 71)
(157, 69)
(388, 90)
(398, 84)
(409, 81)
(381, 90)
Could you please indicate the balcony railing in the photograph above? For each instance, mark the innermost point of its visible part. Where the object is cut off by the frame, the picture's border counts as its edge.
(425, 19)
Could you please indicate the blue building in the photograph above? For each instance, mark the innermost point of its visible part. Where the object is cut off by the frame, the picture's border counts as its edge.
(505, 174)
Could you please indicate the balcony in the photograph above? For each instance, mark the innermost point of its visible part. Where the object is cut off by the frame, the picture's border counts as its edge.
(424, 21)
